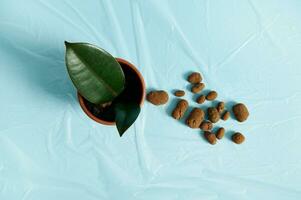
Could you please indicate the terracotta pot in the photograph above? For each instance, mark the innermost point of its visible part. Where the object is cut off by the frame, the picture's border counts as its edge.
(124, 64)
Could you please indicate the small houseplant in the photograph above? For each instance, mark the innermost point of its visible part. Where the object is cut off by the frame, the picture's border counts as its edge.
(110, 90)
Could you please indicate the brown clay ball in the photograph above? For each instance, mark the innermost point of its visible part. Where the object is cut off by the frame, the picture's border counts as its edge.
(195, 118)
(195, 77)
(213, 114)
(206, 126)
(158, 97)
(211, 95)
(220, 107)
(220, 133)
(241, 112)
(179, 93)
(210, 137)
(197, 87)
(238, 138)
(201, 99)
(180, 109)
(226, 115)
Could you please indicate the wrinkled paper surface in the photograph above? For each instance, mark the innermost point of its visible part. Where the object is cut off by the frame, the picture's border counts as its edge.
(247, 50)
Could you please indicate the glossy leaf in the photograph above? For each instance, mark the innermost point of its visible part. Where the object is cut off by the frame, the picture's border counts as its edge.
(125, 115)
(95, 73)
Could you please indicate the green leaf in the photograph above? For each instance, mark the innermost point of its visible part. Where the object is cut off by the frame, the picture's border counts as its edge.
(95, 73)
(125, 115)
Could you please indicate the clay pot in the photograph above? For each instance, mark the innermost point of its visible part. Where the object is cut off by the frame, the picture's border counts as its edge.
(131, 73)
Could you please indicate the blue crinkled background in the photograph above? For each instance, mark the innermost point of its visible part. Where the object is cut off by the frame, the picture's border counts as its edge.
(247, 50)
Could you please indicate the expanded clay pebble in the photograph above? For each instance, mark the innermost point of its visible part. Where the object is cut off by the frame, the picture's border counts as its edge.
(197, 87)
(220, 133)
(220, 107)
(180, 109)
(195, 118)
(211, 95)
(158, 97)
(226, 115)
(241, 112)
(201, 99)
(179, 93)
(206, 126)
(213, 114)
(195, 77)
(238, 138)
(210, 137)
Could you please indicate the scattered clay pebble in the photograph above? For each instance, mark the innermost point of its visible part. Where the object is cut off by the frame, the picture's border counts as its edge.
(238, 138)
(195, 118)
(206, 126)
(211, 95)
(158, 97)
(226, 115)
(213, 114)
(220, 107)
(179, 93)
(241, 112)
(201, 99)
(220, 133)
(180, 109)
(197, 87)
(195, 77)
(210, 137)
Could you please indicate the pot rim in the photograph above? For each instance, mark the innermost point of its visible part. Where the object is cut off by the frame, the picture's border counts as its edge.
(101, 121)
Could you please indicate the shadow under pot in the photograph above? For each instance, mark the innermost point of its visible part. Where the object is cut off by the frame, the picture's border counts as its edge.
(134, 91)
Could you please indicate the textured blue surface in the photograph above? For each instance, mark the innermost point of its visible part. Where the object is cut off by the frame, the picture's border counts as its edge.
(247, 50)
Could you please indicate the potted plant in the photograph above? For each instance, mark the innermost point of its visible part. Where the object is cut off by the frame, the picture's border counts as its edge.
(110, 91)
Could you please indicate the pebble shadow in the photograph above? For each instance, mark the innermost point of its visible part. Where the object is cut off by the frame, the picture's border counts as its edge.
(229, 134)
(171, 105)
(188, 88)
(186, 74)
(228, 106)
(195, 97)
(201, 133)
(150, 89)
(173, 91)
(215, 128)
(214, 103)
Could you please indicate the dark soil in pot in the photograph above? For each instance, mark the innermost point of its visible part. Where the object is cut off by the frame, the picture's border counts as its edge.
(134, 91)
